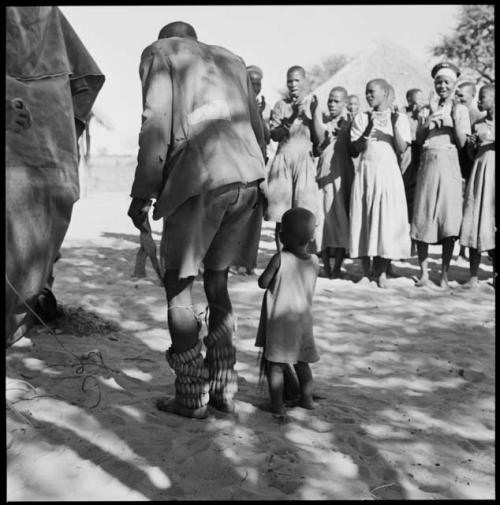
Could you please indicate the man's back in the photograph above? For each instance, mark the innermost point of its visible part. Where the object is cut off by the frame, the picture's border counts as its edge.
(197, 122)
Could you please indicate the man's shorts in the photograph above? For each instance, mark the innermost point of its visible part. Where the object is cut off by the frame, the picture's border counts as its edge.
(220, 230)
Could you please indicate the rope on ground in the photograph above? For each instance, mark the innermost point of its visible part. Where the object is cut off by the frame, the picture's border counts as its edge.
(83, 361)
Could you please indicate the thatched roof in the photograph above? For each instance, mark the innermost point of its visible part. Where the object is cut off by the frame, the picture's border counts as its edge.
(387, 60)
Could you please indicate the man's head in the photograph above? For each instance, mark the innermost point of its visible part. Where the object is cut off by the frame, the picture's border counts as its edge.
(296, 81)
(337, 100)
(465, 93)
(178, 29)
(353, 104)
(255, 75)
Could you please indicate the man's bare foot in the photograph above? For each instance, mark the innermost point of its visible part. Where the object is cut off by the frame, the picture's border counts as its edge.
(472, 283)
(171, 406)
(307, 403)
(364, 280)
(227, 407)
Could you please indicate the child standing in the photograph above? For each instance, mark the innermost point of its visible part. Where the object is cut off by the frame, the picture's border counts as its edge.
(334, 176)
(478, 225)
(286, 326)
(292, 175)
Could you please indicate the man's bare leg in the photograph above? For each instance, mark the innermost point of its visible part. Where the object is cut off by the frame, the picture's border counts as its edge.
(221, 354)
(184, 356)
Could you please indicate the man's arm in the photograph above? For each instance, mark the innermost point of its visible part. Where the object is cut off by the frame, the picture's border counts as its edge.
(154, 137)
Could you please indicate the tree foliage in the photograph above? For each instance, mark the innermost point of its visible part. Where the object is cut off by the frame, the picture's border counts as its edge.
(471, 46)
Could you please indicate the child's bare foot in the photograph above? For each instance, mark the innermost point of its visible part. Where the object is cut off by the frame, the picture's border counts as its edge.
(364, 280)
(171, 406)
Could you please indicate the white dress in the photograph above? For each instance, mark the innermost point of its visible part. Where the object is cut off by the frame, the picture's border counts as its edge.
(378, 211)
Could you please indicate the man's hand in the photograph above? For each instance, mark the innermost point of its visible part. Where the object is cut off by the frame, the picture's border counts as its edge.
(17, 115)
(394, 118)
(138, 212)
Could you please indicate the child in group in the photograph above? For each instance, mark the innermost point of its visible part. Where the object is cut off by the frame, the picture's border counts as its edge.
(478, 225)
(352, 106)
(292, 174)
(286, 326)
(378, 216)
(335, 172)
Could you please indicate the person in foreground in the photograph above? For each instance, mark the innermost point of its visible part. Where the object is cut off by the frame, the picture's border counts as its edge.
(478, 225)
(286, 324)
(201, 157)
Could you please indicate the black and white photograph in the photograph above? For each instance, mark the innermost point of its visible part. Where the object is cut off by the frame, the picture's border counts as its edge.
(250, 252)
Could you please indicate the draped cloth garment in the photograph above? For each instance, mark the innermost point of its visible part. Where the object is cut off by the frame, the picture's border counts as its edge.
(49, 68)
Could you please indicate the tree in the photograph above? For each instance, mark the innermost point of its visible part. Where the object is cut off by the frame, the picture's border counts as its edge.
(471, 46)
(321, 72)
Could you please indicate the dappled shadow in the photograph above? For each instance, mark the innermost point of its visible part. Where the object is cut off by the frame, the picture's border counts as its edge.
(393, 403)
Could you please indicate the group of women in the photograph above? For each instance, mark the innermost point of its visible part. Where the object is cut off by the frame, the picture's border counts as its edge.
(386, 180)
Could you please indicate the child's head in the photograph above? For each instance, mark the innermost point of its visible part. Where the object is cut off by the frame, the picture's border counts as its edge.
(297, 227)
(486, 100)
(296, 81)
(255, 75)
(465, 93)
(353, 104)
(415, 97)
(377, 93)
(337, 100)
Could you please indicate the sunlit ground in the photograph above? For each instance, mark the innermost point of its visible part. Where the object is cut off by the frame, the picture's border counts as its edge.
(405, 384)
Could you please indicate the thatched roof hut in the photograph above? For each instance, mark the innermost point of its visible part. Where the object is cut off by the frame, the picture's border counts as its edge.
(387, 60)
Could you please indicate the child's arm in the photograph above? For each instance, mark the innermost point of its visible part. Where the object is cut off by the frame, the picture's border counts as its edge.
(359, 137)
(279, 125)
(461, 124)
(317, 130)
(402, 134)
(268, 274)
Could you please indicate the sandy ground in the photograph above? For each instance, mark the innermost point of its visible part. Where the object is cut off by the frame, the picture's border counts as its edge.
(406, 376)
